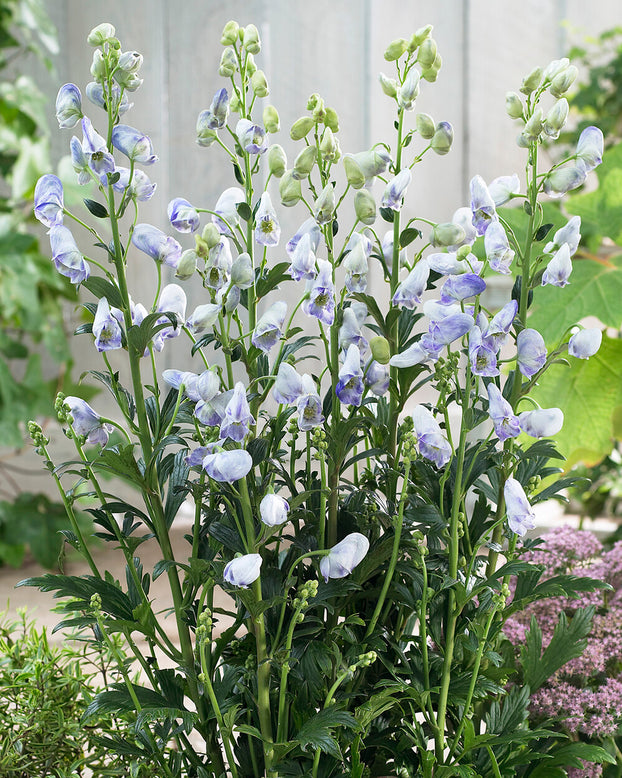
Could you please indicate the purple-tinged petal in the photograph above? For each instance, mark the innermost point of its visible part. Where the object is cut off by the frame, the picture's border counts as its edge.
(408, 293)
(288, 385)
(311, 228)
(106, 328)
(243, 570)
(344, 556)
(253, 138)
(68, 106)
(321, 301)
(482, 354)
(531, 352)
(183, 216)
(559, 268)
(414, 355)
(226, 207)
(202, 317)
(563, 179)
(350, 387)
(238, 419)
(309, 405)
(66, 256)
(49, 200)
(269, 329)
(356, 266)
(273, 510)
(350, 331)
(570, 233)
(541, 423)
(160, 247)
(501, 323)
(228, 466)
(502, 188)
(86, 422)
(432, 444)
(94, 147)
(500, 411)
(497, 247)
(215, 117)
(395, 191)
(303, 259)
(520, 515)
(195, 458)
(462, 287)
(267, 230)
(134, 144)
(590, 148)
(585, 343)
(482, 205)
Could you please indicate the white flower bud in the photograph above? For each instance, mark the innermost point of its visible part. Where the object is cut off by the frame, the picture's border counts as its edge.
(187, 265)
(395, 49)
(290, 190)
(365, 206)
(389, 85)
(250, 39)
(229, 33)
(427, 53)
(100, 34)
(270, 118)
(531, 81)
(304, 162)
(513, 105)
(563, 81)
(556, 118)
(329, 146)
(98, 67)
(228, 63)
(425, 125)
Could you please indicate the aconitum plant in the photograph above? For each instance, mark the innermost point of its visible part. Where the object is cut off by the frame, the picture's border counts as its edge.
(357, 454)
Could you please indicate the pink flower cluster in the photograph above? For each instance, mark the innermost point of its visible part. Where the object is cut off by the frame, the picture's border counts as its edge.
(586, 693)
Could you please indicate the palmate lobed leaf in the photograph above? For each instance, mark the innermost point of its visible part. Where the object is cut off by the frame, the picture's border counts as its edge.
(590, 394)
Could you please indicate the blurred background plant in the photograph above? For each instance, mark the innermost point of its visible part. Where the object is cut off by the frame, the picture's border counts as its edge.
(45, 691)
(35, 359)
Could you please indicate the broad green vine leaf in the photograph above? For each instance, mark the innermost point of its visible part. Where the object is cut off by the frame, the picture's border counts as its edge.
(595, 289)
(589, 391)
(601, 210)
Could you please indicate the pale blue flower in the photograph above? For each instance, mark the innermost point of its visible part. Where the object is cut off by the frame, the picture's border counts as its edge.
(395, 191)
(482, 354)
(531, 352)
(139, 186)
(172, 300)
(267, 229)
(253, 138)
(203, 317)
(79, 161)
(501, 414)
(288, 384)
(482, 205)
(49, 200)
(95, 149)
(227, 465)
(321, 301)
(563, 179)
(431, 442)
(218, 265)
(356, 266)
(497, 247)
(445, 331)
(86, 422)
(242, 272)
(462, 287)
(502, 188)
(134, 144)
(183, 216)
(196, 456)
(344, 556)
(590, 149)
(106, 328)
(66, 256)
(520, 515)
(185, 378)
(238, 418)
(570, 233)
(273, 510)
(585, 343)
(377, 378)
(303, 259)
(211, 412)
(408, 293)
(311, 228)
(95, 93)
(226, 208)
(414, 355)
(559, 268)
(309, 405)
(501, 323)
(350, 331)
(160, 247)
(216, 115)
(541, 423)
(243, 570)
(269, 328)
(350, 387)
(463, 217)
(68, 106)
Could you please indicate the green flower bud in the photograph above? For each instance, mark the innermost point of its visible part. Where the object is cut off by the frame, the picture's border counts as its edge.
(430, 74)
(228, 63)
(100, 34)
(531, 81)
(331, 119)
(242, 273)
(426, 55)
(304, 162)
(251, 67)
(389, 85)
(419, 36)
(301, 127)
(277, 160)
(513, 105)
(447, 234)
(395, 49)
(211, 235)
(230, 33)
(313, 101)
(563, 81)
(365, 206)
(329, 146)
(533, 126)
(319, 112)
(234, 103)
(443, 138)
(259, 84)
(380, 349)
(354, 174)
(325, 205)
(290, 190)
(556, 118)
(463, 252)
(250, 39)
(98, 66)
(271, 119)
(425, 125)
(187, 265)
(554, 68)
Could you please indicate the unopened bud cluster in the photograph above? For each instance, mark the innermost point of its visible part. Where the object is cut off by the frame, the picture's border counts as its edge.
(318, 441)
(204, 627)
(305, 592)
(38, 438)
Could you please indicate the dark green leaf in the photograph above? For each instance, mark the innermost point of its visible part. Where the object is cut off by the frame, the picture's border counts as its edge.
(101, 287)
(387, 214)
(97, 209)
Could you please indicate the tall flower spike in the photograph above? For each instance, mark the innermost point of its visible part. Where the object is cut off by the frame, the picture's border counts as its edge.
(521, 517)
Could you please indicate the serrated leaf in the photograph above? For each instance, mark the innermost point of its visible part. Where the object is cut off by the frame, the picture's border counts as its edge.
(316, 732)
(589, 392)
(595, 289)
